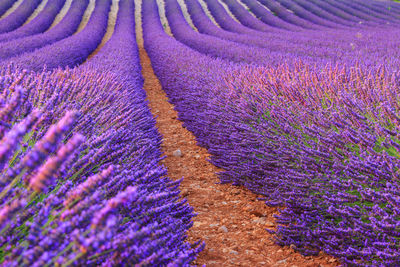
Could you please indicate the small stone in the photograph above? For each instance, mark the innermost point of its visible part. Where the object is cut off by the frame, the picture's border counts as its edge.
(197, 224)
(269, 224)
(223, 229)
(261, 220)
(177, 153)
(184, 192)
(214, 224)
(256, 213)
(281, 262)
(197, 156)
(248, 252)
(224, 203)
(332, 260)
(234, 252)
(224, 250)
(280, 251)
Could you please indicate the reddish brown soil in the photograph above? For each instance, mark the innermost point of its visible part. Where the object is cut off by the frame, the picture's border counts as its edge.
(230, 219)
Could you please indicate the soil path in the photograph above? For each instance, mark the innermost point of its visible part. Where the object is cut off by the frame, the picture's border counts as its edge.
(230, 219)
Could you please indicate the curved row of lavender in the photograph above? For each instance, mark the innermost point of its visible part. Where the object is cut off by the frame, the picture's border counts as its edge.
(315, 47)
(5, 5)
(71, 51)
(213, 46)
(66, 27)
(322, 143)
(268, 17)
(277, 41)
(322, 13)
(81, 182)
(39, 24)
(280, 12)
(19, 16)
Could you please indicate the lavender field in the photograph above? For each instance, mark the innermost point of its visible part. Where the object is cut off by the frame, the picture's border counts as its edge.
(296, 101)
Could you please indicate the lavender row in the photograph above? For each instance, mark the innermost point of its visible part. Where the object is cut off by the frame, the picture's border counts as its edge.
(120, 56)
(39, 24)
(66, 27)
(245, 17)
(267, 17)
(331, 170)
(314, 47)
(355, 12)
(277, 42)
(285, 15)
(5, 5)
(81, 181)
(214, 46)
(370, 12)
(19, 16)
(70, 51)
(336, 11)
(306, 15)
(225, 21)
(323, 13)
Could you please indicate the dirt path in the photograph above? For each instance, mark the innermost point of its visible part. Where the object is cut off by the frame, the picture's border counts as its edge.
(230, 219)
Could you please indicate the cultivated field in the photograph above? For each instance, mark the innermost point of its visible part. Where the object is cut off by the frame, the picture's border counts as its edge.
(192, 132)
